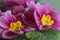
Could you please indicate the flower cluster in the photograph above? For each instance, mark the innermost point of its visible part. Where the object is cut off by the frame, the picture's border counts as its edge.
(25, 16)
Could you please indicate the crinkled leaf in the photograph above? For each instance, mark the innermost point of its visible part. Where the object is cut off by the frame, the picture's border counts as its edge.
(21, 37)
(44, 35)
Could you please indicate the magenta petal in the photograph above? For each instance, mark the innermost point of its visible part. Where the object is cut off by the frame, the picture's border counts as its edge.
(8, 35)
(8, 15)
(19, 1)
(19, 32)
(56, 26)
(47, 7)
(18, 9)
(23, 1)
(6, 19)
(16, 2)
(41, 27)
(56, 16)
(28, 18)
(38, 5)
(18, 15)
(31, 5)
(27, 29)
(3, 22)
(37, 19)
(1, 30)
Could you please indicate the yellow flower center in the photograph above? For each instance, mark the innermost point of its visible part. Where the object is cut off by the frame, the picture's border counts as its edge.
(15, 26)
(46, 20)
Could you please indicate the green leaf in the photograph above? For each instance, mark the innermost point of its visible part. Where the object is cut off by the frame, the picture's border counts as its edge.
(21, 37)
(44, 35)
(3, 9)
(1, 1)
(37, 1)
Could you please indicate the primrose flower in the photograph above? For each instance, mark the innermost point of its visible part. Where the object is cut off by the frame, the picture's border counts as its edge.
(28, 16)
(18, 10)
(16, 6)
(46, 17)
(12, 26)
